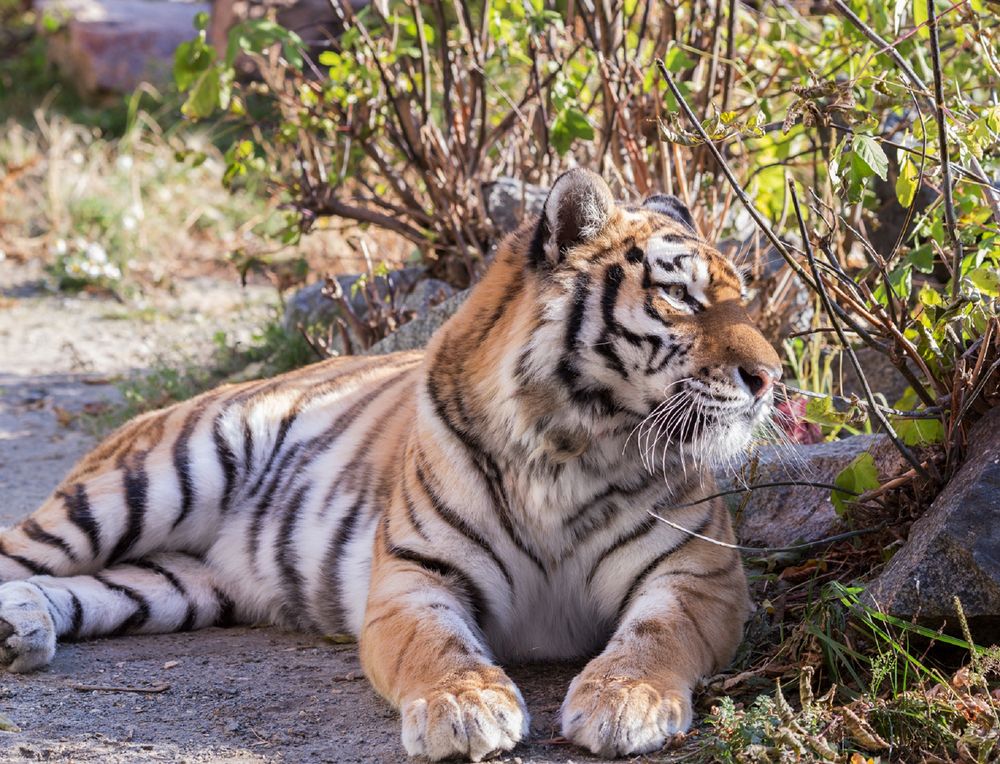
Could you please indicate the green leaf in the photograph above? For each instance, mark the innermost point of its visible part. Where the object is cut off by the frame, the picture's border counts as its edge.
(901, 280)
(870, 152)
(906, 183)
(857, 477)
(821, 411)
(920, 17)
(922, 258)
(930, 297)
(569, 125)
(205, 96)
(919, 432)
(986, 280)
(677, 60)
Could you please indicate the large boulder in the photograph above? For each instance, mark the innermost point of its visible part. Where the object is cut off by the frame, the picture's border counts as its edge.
(790, 514)
(954, 549)
(509, 201)
(415, 334)
(313, 307)
(114, 45)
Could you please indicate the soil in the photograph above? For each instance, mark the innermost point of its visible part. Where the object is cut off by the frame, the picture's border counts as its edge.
(225, 695)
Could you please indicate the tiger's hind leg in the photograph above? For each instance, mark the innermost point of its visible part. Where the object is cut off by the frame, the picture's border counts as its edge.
(163, 593)
(160, 483)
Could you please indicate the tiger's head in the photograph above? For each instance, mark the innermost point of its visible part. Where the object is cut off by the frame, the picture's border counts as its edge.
(643, 321)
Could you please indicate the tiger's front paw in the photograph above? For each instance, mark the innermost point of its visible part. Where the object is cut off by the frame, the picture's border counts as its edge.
(619, 716)
(27, 632)
(469, 716)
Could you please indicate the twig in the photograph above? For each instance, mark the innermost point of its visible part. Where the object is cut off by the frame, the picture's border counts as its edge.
(770, 549)
(755, 486)
(151, 690)
(931, 412)
(949, 202)
(874, 412)
(724, 166)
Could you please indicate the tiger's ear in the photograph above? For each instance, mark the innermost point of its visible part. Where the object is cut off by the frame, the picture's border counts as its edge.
(577, 209)
(672, 207)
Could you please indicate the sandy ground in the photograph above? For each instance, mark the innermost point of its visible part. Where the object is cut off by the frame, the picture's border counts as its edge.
(236, 695)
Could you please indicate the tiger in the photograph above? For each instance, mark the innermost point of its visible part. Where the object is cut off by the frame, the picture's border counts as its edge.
(530, 487)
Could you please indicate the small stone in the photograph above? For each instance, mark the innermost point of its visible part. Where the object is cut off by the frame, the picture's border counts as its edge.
(171, 664)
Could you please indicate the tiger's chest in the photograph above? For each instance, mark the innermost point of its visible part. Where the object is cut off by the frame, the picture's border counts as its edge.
(589, 535)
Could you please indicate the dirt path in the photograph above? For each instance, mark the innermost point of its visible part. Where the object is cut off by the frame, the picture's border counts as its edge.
(236, 695)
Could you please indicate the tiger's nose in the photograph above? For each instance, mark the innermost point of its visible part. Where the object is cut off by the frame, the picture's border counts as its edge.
(759, 380)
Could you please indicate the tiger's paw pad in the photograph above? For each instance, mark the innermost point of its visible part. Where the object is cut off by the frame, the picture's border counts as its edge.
(468, 718)
(613, 716)
(27, 632)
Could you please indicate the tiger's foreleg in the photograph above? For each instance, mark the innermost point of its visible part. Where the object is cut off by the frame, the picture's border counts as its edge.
(422, 650)
(163, 593)
(683, 622)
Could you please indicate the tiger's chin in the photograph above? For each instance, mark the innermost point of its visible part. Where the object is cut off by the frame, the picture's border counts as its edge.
(727, 437)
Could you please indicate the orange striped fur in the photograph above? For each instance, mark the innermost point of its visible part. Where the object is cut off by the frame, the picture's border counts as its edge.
(481, 503)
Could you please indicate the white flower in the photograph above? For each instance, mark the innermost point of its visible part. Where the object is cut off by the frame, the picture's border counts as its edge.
(124, 162)
(76, 157)
(128, 222)
(60, 247)
(95, 253)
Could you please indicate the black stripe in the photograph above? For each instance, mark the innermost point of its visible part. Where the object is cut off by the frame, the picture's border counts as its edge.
(581, 291)
(455, 521)
(78, 512)
(536, 251)
(227, 610)
(35, 568)
(487, 468)
(411, 513)
(653, 313)
(331, 563)
(287, 560)
(247, 441)
(613, 278)
(77, 621)
(312, 393)
(136, 487)
(634, 255)
(623, 540)
(35, 532)
(303, 452)
(192, 613)
(182, 461)
(476, 601)
(644, 573)
(227, 460)
(596, 499)
(141, 615)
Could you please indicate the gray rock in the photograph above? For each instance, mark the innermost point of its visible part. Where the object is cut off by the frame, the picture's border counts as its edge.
(509, 201)
(114, 45)
(787, 515)
(415, 334)
(954, 549)
(309, 307)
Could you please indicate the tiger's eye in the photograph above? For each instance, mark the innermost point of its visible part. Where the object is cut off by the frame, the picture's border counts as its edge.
(676, 292)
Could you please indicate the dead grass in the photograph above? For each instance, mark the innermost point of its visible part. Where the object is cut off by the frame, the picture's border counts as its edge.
(140, 211)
